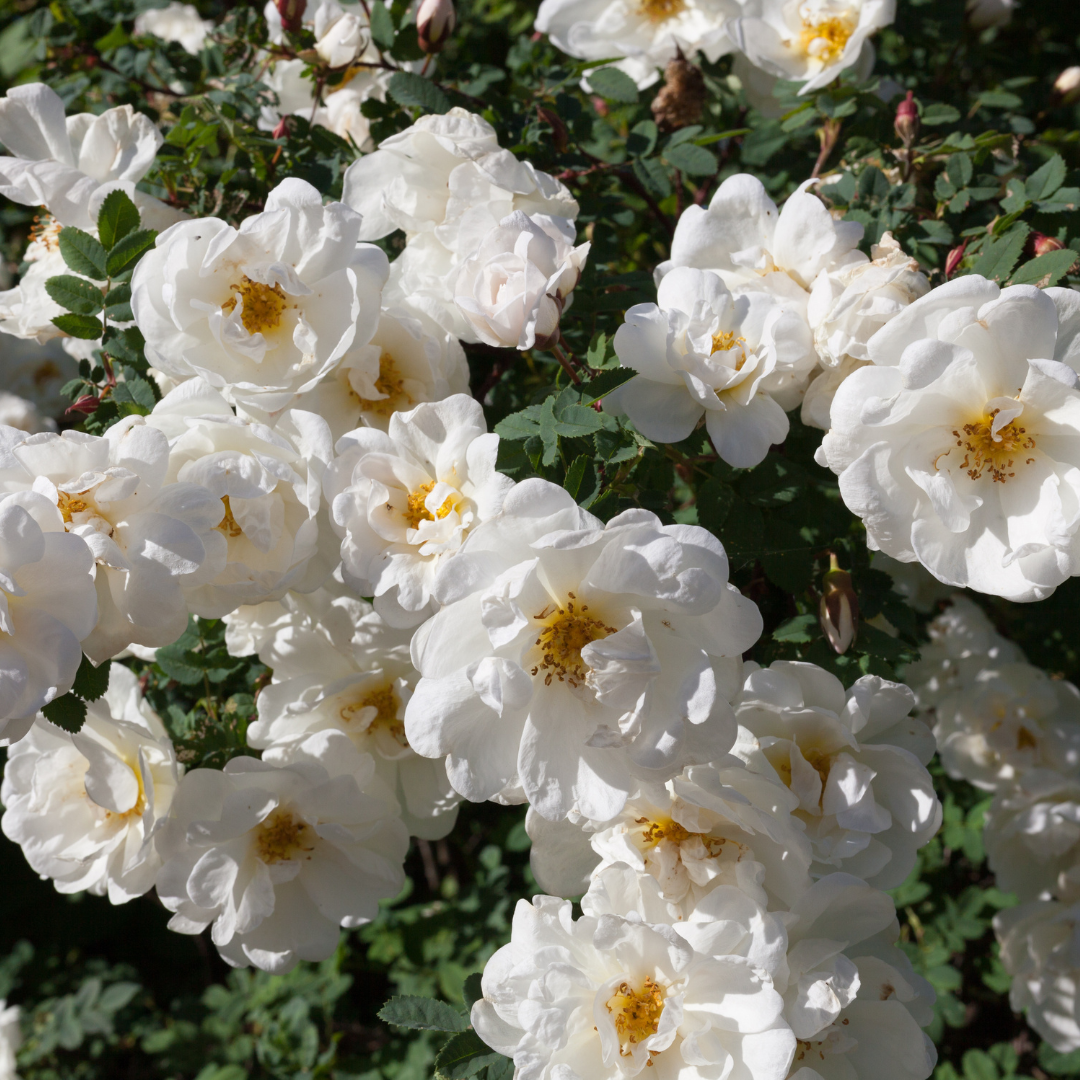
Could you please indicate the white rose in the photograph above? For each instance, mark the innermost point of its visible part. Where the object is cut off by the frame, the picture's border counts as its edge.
(963, 642)
(37, 372)
(47, 603)
(340, 35)
(953, 446)
(265, 311)
(846, 308)
(573, 657)
(339, 667)
(266, 491)
(1033, 831)
(404, 500)
(708, 827)
(809, 41)
(17, 412)
(69, 164)
(625, 994)
(754, 247)
(177, 22)
(27, 310)
(85, 807)
(855, 759)
(148, 536)
(1009, 719)
(986, 13)
(10, 1040)
(446, 183)
(1040, 943)
(647, 35)
(409, 360)
(699, 351)
(277, 858)
(515, 286)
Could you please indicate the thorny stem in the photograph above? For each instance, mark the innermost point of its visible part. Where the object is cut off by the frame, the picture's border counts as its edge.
(561, 357)
(828, 133)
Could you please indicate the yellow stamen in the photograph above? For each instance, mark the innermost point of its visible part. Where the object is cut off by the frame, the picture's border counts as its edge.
(385, 704)
(658, 11)
(826, 40)
(636, 1012)
(657, 831)
(566, 632)
(263, 305)
(70, 505)
(391, 384)
(227, 525)
(281, 837)
(991, 453)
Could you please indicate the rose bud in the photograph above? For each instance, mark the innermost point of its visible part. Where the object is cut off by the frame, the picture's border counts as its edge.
(839, 609)
(952, 260)
(435, 22)
(1042, 244)
(906, 123)
(292, 14)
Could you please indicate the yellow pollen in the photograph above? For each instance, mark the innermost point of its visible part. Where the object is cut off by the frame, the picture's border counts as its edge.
(391, 384)
(417, 511)
(636, 1012)
(139, 808)
(990, 453)
(227, 525)
(263, 305)
(46, 229)
(566, 632)
(281, 837)
(658, 11)
(70, 505)
(825, 40)
(385, 704)
(656, 831)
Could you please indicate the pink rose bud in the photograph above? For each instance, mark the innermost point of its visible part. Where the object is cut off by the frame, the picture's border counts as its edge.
(1042, 244)
(292, 14)
(435, 22)
(88, 403)
(952, 260)
(281, 129)
(906, 123)
(839, 609)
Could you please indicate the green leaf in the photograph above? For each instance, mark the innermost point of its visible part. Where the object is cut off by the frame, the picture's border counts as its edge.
(67, 712)
(503, 1069)
(422, 1014)
(129, 250)
(81, 326)
(472, 989)
(463, 1056)
(1046, 179)
(82, 253)
(936, 114)
(126, 345)
(642, 139)
(691, 159)
(604, 383)
(614, 85)
(1046, 270)
(519, 425)
(137, 392)
(118, 303)
(714, 502)
(382, 26)
(175, 662)
(799, 630)
(91, 682)
(412, 91)
(653, 177)
(75, 294)
(576, 421)
(117, 217)
(576, 474)
(1000, 256)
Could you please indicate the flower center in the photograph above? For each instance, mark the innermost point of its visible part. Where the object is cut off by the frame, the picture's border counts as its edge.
(385, 704)
(227, 525)
(824, 39)
(1025, 740)
(46, 231)
(139, 808)
(658, 11)
(70, 505)
(416, 511)
(636, 1012)
(566, 632)
(263, 305)
(656, 831)
(993, 452)
(280, 838)
(391, 385)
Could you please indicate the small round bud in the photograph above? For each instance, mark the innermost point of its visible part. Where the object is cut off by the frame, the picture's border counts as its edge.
(1043, 244)
(952, 260)
(1067, 85)
(435, 22)
(292, 14)
(906, 123)
(839, 608)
